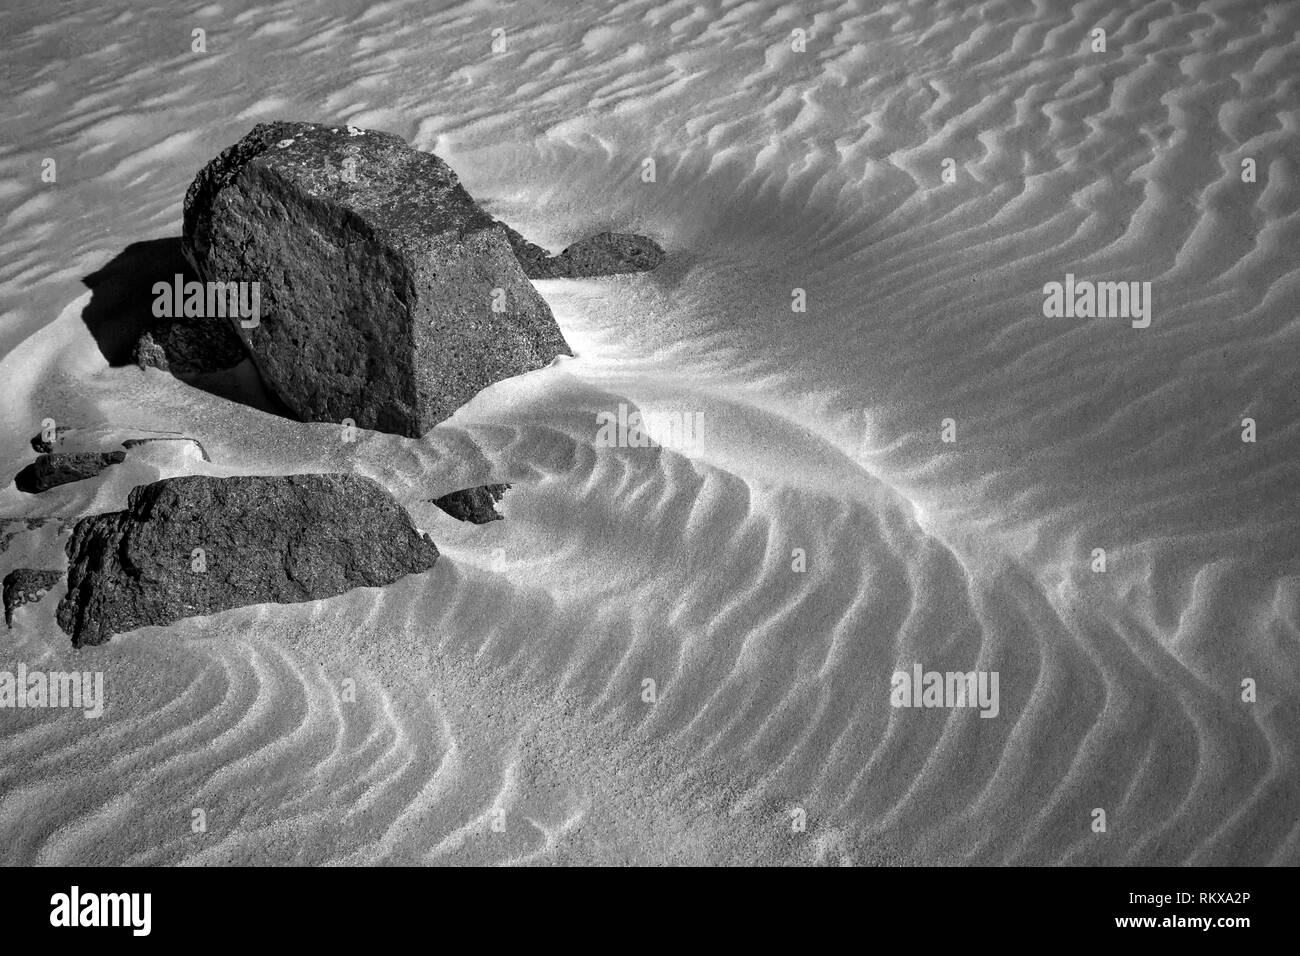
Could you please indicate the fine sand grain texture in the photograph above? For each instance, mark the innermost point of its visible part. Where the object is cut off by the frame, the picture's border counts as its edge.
(815, 535)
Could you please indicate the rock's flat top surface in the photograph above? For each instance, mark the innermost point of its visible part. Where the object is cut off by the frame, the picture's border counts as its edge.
(196, 545)
(403, 194)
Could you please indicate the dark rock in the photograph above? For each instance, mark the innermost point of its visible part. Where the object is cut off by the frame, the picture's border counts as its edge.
(149, 354)
(41, 444)
(60, 468)
(278, 540)
(26, 585)
(473, 504)
(188, 347)
(376, 274)
(533, 259)
(609, 253)
(133, 442)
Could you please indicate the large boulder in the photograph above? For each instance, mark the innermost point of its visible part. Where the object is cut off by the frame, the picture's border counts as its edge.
(198, 544)
(387, 296)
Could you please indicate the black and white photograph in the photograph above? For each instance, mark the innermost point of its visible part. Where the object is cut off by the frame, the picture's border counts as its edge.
(651, 433)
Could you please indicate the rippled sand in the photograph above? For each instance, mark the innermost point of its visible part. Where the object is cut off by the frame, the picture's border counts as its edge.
(499, 712)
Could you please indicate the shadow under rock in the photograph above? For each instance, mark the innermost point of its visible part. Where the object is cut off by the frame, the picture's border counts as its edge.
(121, 310)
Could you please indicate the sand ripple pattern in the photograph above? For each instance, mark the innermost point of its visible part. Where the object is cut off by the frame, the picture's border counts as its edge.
(507, 684)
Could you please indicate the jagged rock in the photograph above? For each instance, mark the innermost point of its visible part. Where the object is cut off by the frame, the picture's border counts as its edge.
(133, 442)
(26, 585)
(41, 444)
(609, 253)
(187, 347)
(197, 545)
(473, 504)
(60, 468)
(387, 295)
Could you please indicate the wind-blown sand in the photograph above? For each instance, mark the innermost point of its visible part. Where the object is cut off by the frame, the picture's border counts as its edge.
(506, 684)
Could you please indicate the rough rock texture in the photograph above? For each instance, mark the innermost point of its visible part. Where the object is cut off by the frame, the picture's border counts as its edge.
(60, 468)
(149, 354)
(189, 347)
(277, 539)
(40, 444)
(376, 274)
(533, 259)
(473, 504)
(25, 585)
(608, 253)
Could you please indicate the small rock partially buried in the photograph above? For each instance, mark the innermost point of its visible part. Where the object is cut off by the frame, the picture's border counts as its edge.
(26, 585)
(473, 504)
(197, 545)
(608, 253)
(61, 468)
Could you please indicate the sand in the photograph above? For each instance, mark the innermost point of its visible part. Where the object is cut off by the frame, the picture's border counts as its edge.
(498, 711)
